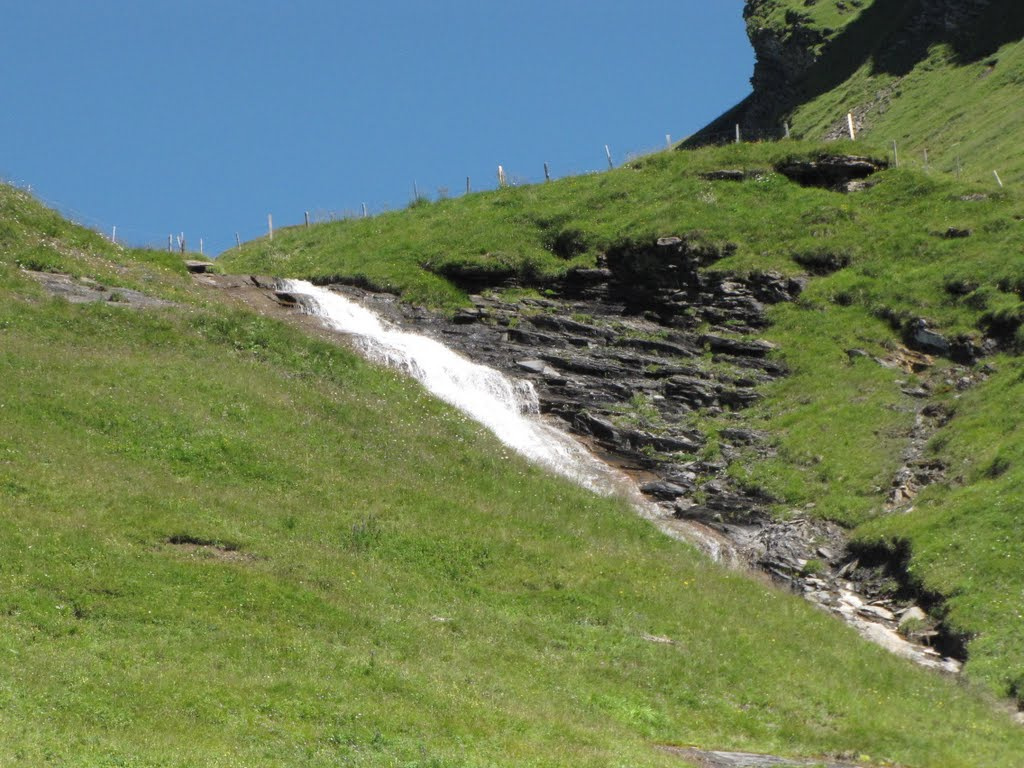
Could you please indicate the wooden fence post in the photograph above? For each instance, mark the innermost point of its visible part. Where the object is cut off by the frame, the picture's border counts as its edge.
(170, 243)
(307, 218)
(547, 173)
(668, 140)
(468, 189)
(113, 235)
(785, 128)
(238, 241)
(270, 226)
(737, 133)
(849, 124)
(608, 153)
(364, 210)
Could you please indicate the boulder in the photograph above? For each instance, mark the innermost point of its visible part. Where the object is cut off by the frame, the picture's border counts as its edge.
(830, 171)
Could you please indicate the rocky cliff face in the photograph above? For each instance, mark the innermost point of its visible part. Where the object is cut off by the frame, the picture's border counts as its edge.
(634, 356)
(799, 58)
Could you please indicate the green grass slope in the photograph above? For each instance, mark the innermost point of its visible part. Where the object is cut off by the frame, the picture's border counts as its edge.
(226, 543)
(936, 77)
(839, 425)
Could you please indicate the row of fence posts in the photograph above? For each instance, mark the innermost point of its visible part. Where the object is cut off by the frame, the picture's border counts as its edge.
(504, 182)
(852, 131)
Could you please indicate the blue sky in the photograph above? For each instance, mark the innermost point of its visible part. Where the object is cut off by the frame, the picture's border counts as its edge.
(160, 116)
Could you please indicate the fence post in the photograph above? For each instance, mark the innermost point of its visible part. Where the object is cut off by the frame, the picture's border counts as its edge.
(608, 153)
(668, 140)
(364, 210)
(547, 173)
(737, 133)
(170, 243)
(200, 246)
(415, 191)
(307, 218)
(238, 241)
(998, 180)
(270, 226)
(785, 129)
(113, 235)
(849, 123)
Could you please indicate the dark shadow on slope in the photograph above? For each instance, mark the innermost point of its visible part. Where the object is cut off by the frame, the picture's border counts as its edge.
(894, 36)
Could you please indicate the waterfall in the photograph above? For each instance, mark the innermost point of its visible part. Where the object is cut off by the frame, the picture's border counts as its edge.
(507, 407)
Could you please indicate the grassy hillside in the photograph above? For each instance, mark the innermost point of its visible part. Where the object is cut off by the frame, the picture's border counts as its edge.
(839, 424)
(938, 77)
(227, 543)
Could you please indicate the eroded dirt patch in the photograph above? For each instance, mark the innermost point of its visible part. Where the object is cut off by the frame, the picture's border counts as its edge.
(85, 290)
(195, 546)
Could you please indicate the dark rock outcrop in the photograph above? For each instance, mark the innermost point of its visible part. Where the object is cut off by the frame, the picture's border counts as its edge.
(836, 172)
(797, 60)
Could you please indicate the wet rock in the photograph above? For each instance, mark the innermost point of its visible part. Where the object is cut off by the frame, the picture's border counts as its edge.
(466, 316)
(665, 490)
(566, 325)
(589, 366)
(286, 298)
(537, 366)
(877, 612)
(658, 347)
(737, 347)
(531, 339)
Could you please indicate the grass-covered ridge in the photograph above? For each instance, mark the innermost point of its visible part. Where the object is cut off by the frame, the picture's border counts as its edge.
(839, 424)
(891, 236)
(226, 543)
(946, 78)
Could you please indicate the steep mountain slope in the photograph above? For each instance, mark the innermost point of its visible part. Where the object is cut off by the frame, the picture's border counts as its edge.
(228, 542)
(916, 259)
(942, 76)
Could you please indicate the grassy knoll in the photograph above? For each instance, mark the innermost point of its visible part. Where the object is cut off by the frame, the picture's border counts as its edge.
(839, 424)
(955, 92)
(225, 543)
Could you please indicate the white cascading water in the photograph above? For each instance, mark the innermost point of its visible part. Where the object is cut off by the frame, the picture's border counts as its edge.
(507, 407)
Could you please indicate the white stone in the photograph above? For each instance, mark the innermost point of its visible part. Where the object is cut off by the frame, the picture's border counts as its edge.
(877, 612)
(850, 599)
(912, 614)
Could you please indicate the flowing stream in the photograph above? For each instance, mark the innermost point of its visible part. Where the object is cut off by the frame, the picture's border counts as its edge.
(510, 409)
(507, 407)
